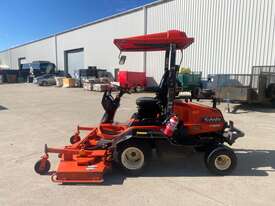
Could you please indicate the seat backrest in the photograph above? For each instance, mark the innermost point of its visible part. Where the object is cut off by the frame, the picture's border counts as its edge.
(163, 89)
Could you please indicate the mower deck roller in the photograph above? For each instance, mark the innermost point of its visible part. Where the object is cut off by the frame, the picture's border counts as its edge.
(160, 119)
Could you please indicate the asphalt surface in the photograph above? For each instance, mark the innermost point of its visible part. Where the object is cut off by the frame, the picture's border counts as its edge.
(31, 116)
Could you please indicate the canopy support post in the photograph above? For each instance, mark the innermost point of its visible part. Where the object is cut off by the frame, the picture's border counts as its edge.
(171, 79)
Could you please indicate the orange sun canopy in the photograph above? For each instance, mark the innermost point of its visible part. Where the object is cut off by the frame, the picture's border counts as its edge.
(154, 42)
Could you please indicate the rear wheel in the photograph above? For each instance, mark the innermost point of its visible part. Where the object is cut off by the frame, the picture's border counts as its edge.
(221, 160)
(133, 157)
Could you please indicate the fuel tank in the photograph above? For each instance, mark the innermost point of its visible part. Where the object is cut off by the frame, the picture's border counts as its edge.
(198, 118)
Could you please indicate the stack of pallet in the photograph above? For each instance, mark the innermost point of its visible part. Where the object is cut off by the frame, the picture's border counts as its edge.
(59, 81)
(97, 84)
(100, 87)
(88, 83)
(69, 82)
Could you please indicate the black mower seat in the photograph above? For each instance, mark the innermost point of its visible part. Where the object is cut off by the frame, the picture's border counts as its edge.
(146, 101)
(148, 108)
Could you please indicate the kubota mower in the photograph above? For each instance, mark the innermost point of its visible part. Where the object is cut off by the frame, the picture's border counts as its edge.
(159, 119)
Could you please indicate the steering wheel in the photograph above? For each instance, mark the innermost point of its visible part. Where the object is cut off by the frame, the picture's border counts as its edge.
(122, 90)
(110, 104)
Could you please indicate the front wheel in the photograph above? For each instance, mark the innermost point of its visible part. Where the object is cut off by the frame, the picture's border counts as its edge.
(74, 139)
(221, 160)
(134, 157)
(42, 168)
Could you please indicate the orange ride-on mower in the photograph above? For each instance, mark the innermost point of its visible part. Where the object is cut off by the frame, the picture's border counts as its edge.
(159, 119)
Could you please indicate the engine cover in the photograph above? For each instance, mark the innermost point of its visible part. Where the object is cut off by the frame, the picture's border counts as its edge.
(198, 118)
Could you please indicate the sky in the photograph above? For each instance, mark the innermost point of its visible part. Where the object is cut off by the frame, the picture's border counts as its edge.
(22, 21)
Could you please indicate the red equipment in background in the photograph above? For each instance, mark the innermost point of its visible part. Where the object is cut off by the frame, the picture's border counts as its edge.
(132, 80)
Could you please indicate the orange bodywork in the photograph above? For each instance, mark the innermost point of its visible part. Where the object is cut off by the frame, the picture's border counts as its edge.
(194, 117)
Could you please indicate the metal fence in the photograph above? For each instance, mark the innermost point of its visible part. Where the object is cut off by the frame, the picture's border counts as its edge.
(258, 72)
(243, 80)
(228, 80)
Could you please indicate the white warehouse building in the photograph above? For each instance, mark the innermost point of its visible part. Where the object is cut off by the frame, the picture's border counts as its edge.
(231, 36)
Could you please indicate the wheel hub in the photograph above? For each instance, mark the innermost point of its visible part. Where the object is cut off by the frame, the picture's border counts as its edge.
(222, 162)
(132, 158)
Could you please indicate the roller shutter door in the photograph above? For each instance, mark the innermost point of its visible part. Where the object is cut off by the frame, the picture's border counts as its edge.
(74, 61)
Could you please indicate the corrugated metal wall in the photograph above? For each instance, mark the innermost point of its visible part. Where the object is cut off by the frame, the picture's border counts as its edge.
(97, 41)
(230, 35)
(4, 58)
(39, 50)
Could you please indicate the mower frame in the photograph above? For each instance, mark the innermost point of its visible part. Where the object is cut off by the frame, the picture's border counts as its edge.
(87, 159)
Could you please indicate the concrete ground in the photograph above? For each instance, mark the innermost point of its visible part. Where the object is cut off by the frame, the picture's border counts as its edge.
(31, 116)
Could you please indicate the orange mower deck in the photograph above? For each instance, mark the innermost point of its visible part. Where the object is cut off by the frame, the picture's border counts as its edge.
(78, 165)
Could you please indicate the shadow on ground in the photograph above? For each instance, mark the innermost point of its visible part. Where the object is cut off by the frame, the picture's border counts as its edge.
(3, 108)
(245, 108)
(250, 163)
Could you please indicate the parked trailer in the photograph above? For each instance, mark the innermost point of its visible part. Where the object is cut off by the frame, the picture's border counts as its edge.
(257, 87)
(190, 82)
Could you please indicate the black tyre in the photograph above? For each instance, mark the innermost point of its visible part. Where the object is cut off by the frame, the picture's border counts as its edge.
(74, 139)
(41, 170)
(42, 83)
(195, 93)
(221, 160)
(133, 157)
